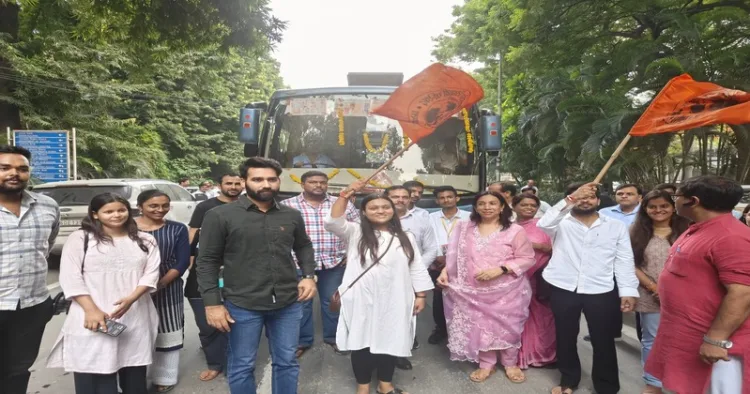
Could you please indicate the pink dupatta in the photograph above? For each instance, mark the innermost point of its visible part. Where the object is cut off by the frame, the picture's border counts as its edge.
(484, 316)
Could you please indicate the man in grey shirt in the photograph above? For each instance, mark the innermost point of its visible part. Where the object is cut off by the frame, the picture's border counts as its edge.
(253, 238)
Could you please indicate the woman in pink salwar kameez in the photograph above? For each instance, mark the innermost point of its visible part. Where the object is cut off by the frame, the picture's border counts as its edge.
(487, 295)
(538, 346)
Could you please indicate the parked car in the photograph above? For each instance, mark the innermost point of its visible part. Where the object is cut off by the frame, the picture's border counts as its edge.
(74, 197)
(743, 203)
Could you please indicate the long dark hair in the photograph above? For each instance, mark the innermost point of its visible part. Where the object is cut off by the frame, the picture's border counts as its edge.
(744, 213)
(94, 227)
(369, 241)
(505, 213)
(642, 229)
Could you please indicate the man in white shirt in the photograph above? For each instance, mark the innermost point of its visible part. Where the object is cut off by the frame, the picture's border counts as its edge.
(420, 227)
(416, 189)
(443, 222)
(591, 252)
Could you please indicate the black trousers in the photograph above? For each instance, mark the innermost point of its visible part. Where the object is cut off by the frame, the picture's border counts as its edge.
(601, 312)
(21, 334)
(363, 362)
(438, 313)
(213, 341)
(132, 381)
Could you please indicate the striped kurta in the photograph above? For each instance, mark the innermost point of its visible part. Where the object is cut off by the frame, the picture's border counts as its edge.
(174, 247)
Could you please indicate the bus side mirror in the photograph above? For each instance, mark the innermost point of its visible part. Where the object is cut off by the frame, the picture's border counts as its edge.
(250, 125)
(491, 134)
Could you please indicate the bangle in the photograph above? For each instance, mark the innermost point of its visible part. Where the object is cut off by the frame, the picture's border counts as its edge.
(345, 194)
(420, 296)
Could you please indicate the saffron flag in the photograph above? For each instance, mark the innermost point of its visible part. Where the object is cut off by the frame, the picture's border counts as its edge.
(686, 104)
(429, 98)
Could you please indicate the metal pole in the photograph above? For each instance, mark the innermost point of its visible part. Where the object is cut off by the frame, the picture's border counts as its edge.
(75, 156)
(499, 108)
(7, 129)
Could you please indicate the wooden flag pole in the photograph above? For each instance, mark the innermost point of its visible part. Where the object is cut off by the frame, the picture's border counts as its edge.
(387, 163)
(612, 158)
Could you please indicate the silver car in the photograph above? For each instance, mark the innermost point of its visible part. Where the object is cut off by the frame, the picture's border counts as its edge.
(75, 196)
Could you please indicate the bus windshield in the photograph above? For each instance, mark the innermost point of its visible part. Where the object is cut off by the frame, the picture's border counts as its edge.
(338, 135)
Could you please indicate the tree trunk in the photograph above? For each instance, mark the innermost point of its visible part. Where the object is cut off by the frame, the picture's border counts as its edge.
(10, 115)
(742, 138)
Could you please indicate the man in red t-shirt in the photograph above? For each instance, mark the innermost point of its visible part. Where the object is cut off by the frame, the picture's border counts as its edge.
(703, 342)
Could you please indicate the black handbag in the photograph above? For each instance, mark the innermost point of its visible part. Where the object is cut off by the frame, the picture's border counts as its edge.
(59, 303)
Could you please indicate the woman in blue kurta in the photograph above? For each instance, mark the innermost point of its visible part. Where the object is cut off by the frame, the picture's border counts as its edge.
(172, 239)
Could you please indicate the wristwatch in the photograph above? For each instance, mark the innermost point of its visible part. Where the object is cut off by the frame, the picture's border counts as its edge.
(505, 269)
(311, 276)
(726, 344)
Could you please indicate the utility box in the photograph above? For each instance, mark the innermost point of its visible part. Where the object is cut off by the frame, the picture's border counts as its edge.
(250, 125)
(492, 134)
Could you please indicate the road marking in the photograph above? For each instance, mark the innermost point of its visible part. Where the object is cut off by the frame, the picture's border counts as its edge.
(265, 381)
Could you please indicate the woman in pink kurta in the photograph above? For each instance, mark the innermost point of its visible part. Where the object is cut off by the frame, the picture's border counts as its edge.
(486, 293)
(538, 346)
(109, 276)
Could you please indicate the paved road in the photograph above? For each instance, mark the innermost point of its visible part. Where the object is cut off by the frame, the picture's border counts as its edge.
(324, 372)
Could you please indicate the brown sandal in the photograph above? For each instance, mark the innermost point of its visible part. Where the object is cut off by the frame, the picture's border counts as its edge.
(515, 374)
(474, 377)
(208, 375)
(301, 350)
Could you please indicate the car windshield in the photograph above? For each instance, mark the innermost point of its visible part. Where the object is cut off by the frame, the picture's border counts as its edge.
(339, 132)
(81, 195)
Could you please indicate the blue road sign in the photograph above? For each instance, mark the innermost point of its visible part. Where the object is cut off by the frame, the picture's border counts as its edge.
(50, 158)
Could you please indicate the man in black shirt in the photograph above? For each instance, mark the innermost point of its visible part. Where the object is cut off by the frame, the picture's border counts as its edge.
(253, 239)
(213, 341)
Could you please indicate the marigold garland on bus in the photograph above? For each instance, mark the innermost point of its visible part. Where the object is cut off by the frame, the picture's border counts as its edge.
(297, 179)
(340, 113)
(407, 141)
(370, 148)
(467, 128)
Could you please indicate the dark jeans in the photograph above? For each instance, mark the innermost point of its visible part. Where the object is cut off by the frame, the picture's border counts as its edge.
(213, 341)
(438, 313)
(21, 334)
(132, 381)
(601, 311)
(363, 362)
(328, 282)
(282, 330)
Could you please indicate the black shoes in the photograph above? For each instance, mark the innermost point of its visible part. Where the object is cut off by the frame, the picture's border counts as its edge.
(437, 337)
(403, 363)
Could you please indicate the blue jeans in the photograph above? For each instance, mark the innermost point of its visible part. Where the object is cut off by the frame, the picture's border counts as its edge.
(282, 331)
(649, 327)
(328, 282)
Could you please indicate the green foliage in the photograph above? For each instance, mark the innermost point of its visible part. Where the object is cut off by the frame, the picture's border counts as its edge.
(578, 73)
(152, 90)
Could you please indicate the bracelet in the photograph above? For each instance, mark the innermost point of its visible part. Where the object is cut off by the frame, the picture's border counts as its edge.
(345, 194)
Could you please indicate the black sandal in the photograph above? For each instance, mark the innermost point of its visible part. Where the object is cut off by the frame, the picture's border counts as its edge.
(394, 391)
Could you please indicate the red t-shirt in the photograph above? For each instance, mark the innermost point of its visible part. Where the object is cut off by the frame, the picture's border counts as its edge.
(706, 258)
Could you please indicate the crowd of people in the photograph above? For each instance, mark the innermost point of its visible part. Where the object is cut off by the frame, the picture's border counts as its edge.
(509, 281)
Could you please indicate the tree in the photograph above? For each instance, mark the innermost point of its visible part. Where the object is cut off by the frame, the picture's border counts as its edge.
(578, 74)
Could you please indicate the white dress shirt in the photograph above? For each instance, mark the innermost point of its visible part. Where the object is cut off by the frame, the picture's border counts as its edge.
(443, 227)
(588, 259)
(419, 226)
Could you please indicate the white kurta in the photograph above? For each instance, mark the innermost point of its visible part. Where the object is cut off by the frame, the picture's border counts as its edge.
(378, 311)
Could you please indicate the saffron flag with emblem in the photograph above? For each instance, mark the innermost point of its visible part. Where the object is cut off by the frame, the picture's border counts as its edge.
(685, 104)
(429, 98)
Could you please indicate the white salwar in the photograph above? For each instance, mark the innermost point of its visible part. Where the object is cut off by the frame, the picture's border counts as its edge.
(378, 311)
(166, 367)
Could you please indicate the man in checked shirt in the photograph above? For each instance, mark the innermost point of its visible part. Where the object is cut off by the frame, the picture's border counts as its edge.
(29, 223)
(330, 252)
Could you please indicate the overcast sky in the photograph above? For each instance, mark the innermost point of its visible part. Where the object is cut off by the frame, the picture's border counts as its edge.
(326, 39)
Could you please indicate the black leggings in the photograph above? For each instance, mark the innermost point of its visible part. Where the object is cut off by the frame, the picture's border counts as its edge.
(363, 362)
(132, 381)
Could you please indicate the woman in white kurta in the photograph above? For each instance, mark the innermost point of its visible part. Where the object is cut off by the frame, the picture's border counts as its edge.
(108, 277)
(378, 313)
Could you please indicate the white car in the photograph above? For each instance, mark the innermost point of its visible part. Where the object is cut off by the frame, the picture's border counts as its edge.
(75, 196)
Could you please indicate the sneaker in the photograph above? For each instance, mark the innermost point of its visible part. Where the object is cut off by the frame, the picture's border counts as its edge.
(416, 345)
(437, 336)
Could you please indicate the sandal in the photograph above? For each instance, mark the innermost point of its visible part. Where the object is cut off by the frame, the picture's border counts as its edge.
(476, 378)
(336, 349)
(394, 391)
(163, 389)
(515, 374)
(208, 375)
(301, 350)
(563, 390)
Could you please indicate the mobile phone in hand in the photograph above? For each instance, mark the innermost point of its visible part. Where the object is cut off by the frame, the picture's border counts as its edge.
(114, 329)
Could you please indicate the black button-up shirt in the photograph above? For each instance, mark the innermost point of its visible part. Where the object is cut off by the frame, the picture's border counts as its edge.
(255, 248)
